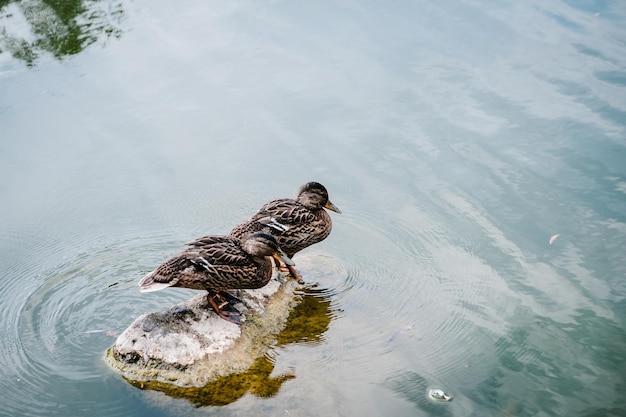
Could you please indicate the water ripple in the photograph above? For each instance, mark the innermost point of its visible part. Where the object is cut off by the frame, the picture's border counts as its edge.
(421, 295)
(59, 324)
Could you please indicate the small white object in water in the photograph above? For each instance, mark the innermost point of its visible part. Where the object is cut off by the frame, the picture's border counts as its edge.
(436, 394)
(553, 238)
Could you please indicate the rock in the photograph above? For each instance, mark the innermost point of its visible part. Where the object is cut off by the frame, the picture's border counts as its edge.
(189, 345)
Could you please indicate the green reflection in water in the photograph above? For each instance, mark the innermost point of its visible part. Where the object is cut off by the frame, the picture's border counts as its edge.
(308, 321)
(59, 27)
(228, 389)
(306, 324)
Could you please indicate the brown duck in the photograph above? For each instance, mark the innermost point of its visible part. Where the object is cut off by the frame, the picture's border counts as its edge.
(218, 264)
(296, 224)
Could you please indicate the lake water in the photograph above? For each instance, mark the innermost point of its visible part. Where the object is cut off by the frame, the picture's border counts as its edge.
(457, 137)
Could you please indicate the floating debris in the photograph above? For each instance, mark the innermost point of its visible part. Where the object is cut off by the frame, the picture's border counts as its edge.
(437, 394)
(553, 238)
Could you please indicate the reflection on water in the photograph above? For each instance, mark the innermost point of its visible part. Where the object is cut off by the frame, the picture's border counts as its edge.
(306, 323)
(61, 28)
(225, 390)
(309, 320)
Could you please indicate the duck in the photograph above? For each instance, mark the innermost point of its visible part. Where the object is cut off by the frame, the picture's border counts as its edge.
(217, 264)
(295, 223)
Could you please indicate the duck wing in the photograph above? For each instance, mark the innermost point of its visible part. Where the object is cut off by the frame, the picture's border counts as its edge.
(281, 215)
(218, 250)
(211, 240)
(200, 267)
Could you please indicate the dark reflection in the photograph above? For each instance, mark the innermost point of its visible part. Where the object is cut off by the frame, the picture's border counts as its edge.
(59, 27)
(309, 320)
(306, 323)
(228, 389)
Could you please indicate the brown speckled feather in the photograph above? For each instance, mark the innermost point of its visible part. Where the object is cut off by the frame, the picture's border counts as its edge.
(214, 263)
(294, 224)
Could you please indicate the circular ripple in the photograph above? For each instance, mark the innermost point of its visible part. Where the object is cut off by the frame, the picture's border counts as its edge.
(59, 324)
(420, 296)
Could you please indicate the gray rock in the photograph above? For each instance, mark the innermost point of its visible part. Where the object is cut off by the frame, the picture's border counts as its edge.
(189, 345)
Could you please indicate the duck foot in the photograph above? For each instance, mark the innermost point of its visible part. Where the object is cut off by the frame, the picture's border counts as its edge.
(223, 308)
(290, 269)
(293, 273)
(230, 296)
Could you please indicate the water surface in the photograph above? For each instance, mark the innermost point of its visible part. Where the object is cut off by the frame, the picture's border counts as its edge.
(457, 138)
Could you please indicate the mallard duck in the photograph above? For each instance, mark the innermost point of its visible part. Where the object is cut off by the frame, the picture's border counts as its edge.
(296, 224)
(218, 264)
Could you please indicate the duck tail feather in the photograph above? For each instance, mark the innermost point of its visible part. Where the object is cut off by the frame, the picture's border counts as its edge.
(148, 284)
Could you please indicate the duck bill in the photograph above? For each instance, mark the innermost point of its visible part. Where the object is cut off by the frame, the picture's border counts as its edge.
(331, 206)
(279, 255)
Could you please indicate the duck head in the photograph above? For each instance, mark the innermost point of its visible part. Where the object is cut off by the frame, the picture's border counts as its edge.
(314, 196)
(261, 245)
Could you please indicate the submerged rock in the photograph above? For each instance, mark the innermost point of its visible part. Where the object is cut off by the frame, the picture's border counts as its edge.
(189, 345)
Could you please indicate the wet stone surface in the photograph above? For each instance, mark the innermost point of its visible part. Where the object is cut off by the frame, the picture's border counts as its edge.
(189, 345)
